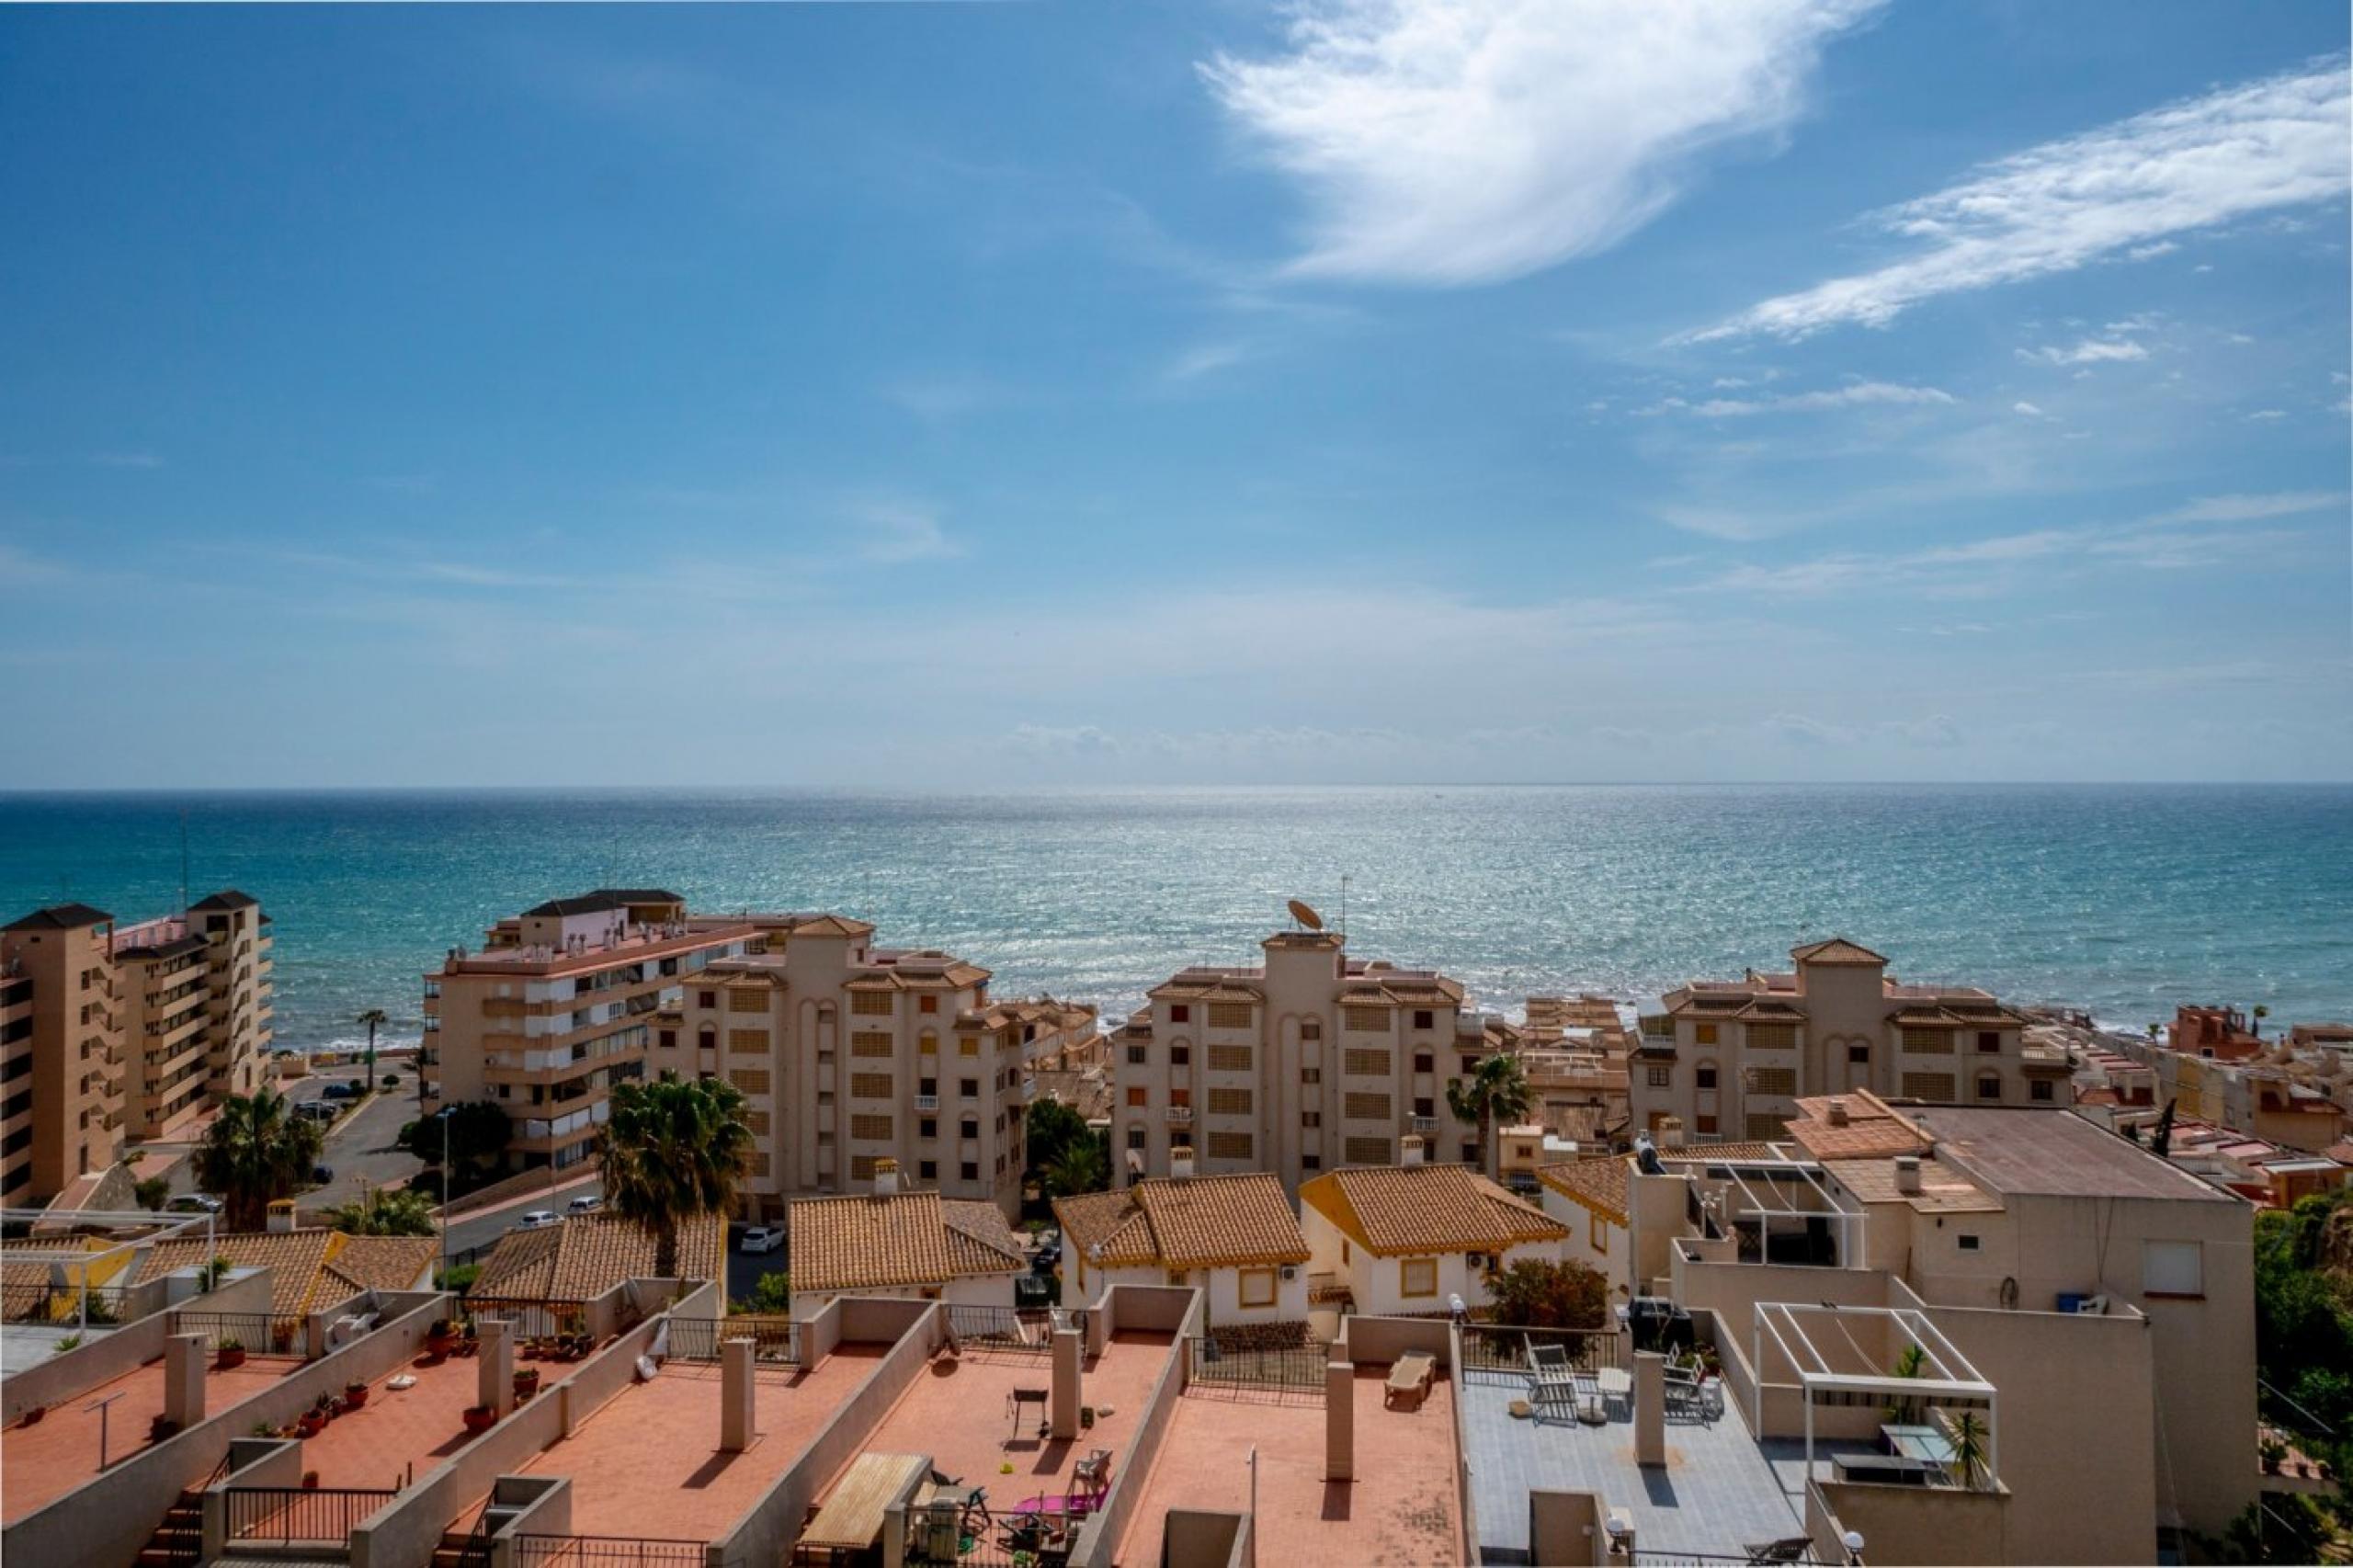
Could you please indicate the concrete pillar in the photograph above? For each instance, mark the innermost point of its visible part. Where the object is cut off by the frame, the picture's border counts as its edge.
(495, 1369)
(1339, 1421)
(183, 1378)
(1068, 1345)
(315, 1336)
(1650, 1408)
(735, 1425)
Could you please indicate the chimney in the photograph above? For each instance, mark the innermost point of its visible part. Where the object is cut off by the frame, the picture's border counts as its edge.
(1668, 1133)
(886, 1178)
(1907, 1173)
(1409, 1150)
(281, 1215)
(1837, 1113)
(1180, 1160)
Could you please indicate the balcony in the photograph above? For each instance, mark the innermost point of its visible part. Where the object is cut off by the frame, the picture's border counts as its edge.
(1423, 1124)
(1179, 1115)
(926, 1102)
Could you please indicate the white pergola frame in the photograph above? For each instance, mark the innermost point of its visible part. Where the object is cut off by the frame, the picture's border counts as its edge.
(62, 1259)
(1852, 1225)
(1948, 1374)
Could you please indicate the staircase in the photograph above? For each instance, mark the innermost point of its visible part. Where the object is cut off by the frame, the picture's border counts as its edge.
(462, 1549)
(178, 1541)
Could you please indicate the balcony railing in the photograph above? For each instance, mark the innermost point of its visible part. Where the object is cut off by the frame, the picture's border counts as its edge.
(287, 1515)
(926, 1102)
(1179, 1115)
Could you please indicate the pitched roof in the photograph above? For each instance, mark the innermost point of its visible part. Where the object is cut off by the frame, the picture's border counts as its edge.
(1710, 1154)
(384, 1262)
(1837, 949)
(59, 917)
(1871, 1129)
(876, 1241)
(830, 926)
(1393, 1209)
(227, 898)
(1599, 1184)
(295, 1260)
(600, 898)
(1186, 1223)
(587, 1255)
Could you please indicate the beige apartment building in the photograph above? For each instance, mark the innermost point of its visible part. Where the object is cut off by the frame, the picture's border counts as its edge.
(163, 987)
(75, 1076)
(1730, 1059)
(16, 1085)
(1307, 1062)
(240, 1000)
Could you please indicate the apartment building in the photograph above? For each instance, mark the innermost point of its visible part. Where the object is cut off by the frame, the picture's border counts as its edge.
(1306, 1062)
(16, 1084)
(239, 1005)
(164, 973)
(74, 1082)
(1730, 1059)
(2296, 1093)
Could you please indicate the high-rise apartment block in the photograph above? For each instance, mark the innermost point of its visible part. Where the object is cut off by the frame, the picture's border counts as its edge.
(110, 1033)
(1304, 1064)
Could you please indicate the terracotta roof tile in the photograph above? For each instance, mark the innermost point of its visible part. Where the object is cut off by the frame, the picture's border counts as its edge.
(1709, 1154)
(1837, 949)
(1599, 1184)
(294, 1259)
(868, 1243)
(587, 1255)
(384, 1262)
(1393, 1209)
(1188, 1223)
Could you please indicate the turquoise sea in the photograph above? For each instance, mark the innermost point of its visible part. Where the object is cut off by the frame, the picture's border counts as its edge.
(2123, 900)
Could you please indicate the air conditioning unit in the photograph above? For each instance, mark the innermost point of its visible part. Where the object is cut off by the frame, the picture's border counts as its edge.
(1291, 1271)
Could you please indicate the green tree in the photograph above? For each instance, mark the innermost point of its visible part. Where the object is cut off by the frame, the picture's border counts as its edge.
(153, 1193)
(772, 1295)
(387, 1211)
(1082, 1166)
(1050, 1128)
(255, 1151)
(1537, 1293)
(478, 1132)
(1498, 1091)
(670, 1152)
(373, 1019)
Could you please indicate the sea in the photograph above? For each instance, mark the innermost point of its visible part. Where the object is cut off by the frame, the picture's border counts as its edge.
(2122, 901)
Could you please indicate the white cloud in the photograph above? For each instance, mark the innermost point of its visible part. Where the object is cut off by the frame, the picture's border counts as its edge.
(1204, 360)
(1456, 142)
(893, 532)
(2275, 143)
(2030, 409)
(1857, 394)
(2090, 352)
(2251, 508)
(2150, 253)
(2268, 414)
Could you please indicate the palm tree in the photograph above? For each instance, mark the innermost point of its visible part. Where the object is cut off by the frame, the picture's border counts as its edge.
(1082, 1166)
(2261, 1013)
(1970, 1449)
(387, 1211)
(1498, 1091)
(672, 1152)
(373, 1017)
(255, 1152)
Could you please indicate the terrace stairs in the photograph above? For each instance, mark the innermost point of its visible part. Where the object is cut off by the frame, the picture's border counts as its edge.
(178, 1541)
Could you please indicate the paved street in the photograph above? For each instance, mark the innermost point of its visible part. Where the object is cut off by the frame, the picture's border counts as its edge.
(360, 1148)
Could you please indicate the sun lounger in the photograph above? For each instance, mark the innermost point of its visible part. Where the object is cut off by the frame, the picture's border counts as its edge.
(1551, 1375)
(1410, 1374)
(1788, 1548)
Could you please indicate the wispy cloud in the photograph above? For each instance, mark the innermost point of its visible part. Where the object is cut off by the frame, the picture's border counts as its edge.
(1205, 359)
(1458, 142)
(896, 531)
(2275, 143)
(2090, 351)
(2030, 409)
(1857, 394)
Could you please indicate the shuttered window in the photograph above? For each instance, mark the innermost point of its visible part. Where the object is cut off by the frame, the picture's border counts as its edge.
(1773, 1037)
(1231, 1015)
(870, 1129)
(1929, 1086)
(1366, 1151)
(1365, 1108)
(1230, 1102)
(759, 1163)
(869, 1042)
(1765, 1129)
(758, 1120)
(869, 1085)
(1232, 1059)
(1364, 1020)
(747, 1042)
(861, 1166)
(871, 1004)
(1928, 1041)
(1772, 1081)
(743, 999)
(1230, 1146)
(751, 1080)
(1365, 1064)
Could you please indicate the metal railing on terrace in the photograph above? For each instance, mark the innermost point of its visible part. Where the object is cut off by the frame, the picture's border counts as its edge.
(529, 1319)
(698, 1339)
(1289, 1365)
(1503, 1347)
(54, 1303)
(289, 1515)
(1008, 1328)
(257, 1333)
(990, 1535)
(607, 1551)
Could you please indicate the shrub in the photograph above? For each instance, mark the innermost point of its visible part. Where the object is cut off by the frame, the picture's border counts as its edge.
(1533, 1293)
(459, 1277)
(391, 1080)
(153, 1193)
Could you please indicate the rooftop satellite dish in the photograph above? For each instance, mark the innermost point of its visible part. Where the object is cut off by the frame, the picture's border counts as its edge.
(1306, 916)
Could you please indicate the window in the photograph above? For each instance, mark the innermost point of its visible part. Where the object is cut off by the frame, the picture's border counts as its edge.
(927, 1169)
(1927, 1086)
(969, 1128)
(968, 1045)
(1704, 1122)
(870, 1129)
(1311, 1119)
(1364, 1020)
(1597, 1233)
(1859, 1054)
(1469, 1065)
(869, 1042)
(928, 1127)
(1139, 1055)
(1929, 1042)
(668, 1040)
(2038, 1090)
(743, 999)
(1989, 1039)
(1423, 1062)
(1773, 1080)
(1180, 1056)
(1179, 1013)
(1703, 1034)
(871, 1004)
(1659, 1077)
(1966, 1242)
(1704, 1075)
(1230, 1102)
(927, 1004)
(871, 1086)
(1424, 1106)
(760, 1162)
(1366, 1151)
(1230, 1058)
(1311, 1162)
(751, 1080)
(1365, 1108)
(2172, 1268)
(1180, 1096)
(926, 1086)
(1257, 1287)
(1311, 1029)
(1471, 1154)
(927, 1043)
(1765, 1129)
(758, 1120)
(747, 1042)
(1989, 1087)
(1365, 1064)
(1424, 1018)
(970, 1088)
(969, 1170)
(1417, 1276)
(706, 998)
(1138, 1095)
(1311, 1075)
(1230, 1146)
(1773, 1037)
(1231, 1015)
(1135, 1137)
(861, 1166)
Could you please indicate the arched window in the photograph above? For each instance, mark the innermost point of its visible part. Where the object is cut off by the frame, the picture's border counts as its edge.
(707, 1039)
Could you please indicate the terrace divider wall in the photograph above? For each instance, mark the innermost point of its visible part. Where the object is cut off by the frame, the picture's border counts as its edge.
(109, 1518)
(108, 1356)
(1178, 1311)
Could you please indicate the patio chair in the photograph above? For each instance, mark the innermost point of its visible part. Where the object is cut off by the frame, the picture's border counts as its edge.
(1409, 1375)
(1551, 1374)
(1788, 1548)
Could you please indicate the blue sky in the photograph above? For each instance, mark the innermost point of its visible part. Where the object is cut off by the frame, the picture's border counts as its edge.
(966, 395)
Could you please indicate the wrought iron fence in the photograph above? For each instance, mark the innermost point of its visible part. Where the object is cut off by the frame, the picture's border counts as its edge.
(287, 1515)
(607, 1551)
(1288, 1366)
(531, 1320)
(1498, 1347)
(1006, 1328)
(698, 1339)
(258, 1334)
(961, 1536)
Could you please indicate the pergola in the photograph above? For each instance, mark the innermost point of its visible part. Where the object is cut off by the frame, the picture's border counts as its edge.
(72, 1263)
(1817, 1343)
(1764, 1206)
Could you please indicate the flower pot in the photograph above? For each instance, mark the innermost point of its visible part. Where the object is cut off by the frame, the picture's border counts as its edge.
(231, 1357)
(439, 1343)
(310, 1480)
(310, 1424)
(354, 1395)
(480, 1418)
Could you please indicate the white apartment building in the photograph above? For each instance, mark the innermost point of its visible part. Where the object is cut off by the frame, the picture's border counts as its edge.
(1306, 1062)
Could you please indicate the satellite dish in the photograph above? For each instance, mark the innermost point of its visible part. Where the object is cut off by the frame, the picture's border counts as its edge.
(1306, 916)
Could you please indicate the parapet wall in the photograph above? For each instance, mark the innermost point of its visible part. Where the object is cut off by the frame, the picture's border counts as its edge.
(1140, 1309)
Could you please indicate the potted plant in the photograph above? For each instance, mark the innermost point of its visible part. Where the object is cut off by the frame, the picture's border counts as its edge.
(437, 1337)
(162, 1429)
(311, 1423)
(310, 1480)
(2273, 1451)
(355, 1395)
(230, 1353)
(479, 1418)
(526, 1383)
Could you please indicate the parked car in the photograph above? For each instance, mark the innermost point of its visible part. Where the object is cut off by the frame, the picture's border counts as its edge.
(194, 1203)
(763, 1238)
(538, 1219)
(323, 1174)
(341, 1091)
(586, 1203)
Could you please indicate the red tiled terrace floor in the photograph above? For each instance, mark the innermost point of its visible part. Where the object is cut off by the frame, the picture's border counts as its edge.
(42, 1463)
(647, 1463)
(955, 1411)
(1401, 1511)
(401, 1431)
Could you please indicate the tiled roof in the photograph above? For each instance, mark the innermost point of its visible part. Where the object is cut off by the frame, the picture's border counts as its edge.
(227, 898)
(1207, 988)
(294, 1259)
(1598, 1183)
(587, 1255)
(59, 917)
(1837, 949)
(1872, 1129)
(602, 899)
(384, 1262)
(1186, 1223)
(1393, 1209)
(872, 1243)
(1710, 1154)
(829, 926)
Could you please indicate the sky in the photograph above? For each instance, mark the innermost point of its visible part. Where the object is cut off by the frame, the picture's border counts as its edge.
(970, 396)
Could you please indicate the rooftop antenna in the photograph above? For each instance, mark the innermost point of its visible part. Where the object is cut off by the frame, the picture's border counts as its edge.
(1343, 903)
